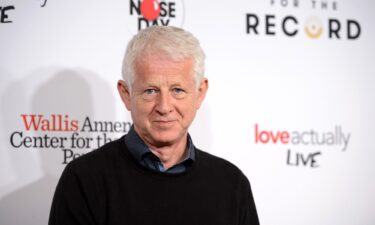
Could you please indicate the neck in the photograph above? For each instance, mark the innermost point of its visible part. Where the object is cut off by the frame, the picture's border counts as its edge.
(170, 155)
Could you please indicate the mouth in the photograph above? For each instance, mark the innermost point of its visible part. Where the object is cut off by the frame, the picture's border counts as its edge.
(164, 123)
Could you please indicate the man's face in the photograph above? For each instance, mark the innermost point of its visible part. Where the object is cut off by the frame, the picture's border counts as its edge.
(163, 99)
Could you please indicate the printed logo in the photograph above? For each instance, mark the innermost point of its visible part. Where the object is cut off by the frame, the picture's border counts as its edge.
(150, 9)
(313, 27)
(5, 12)
(72, 136)
(146, 13)
(304, 147)
(291, 25)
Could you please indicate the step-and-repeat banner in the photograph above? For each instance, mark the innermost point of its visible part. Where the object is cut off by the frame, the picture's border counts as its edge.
(291, 99)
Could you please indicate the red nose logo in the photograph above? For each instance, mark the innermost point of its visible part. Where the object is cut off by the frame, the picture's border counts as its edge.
(150, 9)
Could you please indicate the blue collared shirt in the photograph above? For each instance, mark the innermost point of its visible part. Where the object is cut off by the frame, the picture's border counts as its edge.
(143, 155)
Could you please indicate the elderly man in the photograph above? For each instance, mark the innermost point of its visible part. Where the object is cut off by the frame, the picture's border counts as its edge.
(155, 174)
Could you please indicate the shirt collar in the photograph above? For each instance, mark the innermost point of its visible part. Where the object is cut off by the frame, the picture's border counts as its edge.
(138, 149)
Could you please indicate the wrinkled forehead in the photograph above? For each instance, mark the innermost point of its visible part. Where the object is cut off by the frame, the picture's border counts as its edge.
(156, 65)
(162, 60)
(167, 53)
(155, 58)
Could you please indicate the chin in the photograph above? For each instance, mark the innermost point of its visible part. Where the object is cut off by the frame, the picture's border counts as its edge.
(165, 137)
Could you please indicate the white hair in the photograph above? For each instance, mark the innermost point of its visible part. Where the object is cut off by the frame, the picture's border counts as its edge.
(172, 42)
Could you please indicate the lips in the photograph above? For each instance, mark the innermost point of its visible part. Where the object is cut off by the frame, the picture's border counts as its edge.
(164, 123)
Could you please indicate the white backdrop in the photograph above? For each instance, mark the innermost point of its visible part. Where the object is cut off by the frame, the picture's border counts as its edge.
(293, 112)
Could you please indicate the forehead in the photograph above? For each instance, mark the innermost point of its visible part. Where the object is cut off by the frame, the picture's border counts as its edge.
(159, 66)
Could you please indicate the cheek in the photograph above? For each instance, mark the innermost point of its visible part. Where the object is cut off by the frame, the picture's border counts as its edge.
(187, 110)
(143, 108)
(140, 114)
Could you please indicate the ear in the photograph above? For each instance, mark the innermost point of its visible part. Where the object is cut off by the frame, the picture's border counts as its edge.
(124, 92)
(202, 90)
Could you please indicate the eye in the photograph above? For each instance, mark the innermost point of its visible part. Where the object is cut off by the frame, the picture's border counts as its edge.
(150, 91)
(178, 91)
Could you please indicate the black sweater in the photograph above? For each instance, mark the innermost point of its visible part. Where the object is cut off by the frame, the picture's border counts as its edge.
(107, 186)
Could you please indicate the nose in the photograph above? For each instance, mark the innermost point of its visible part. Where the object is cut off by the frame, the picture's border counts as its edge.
(164, 103)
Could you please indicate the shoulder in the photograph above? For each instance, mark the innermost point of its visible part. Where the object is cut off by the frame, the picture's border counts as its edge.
(210, 160)
(220, 167)
(98, 160)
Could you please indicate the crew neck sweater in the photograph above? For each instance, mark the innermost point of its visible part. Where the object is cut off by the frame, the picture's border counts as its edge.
(142, 153)
(108, 187)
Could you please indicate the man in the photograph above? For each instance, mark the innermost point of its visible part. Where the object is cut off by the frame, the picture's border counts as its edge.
(154, 174)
